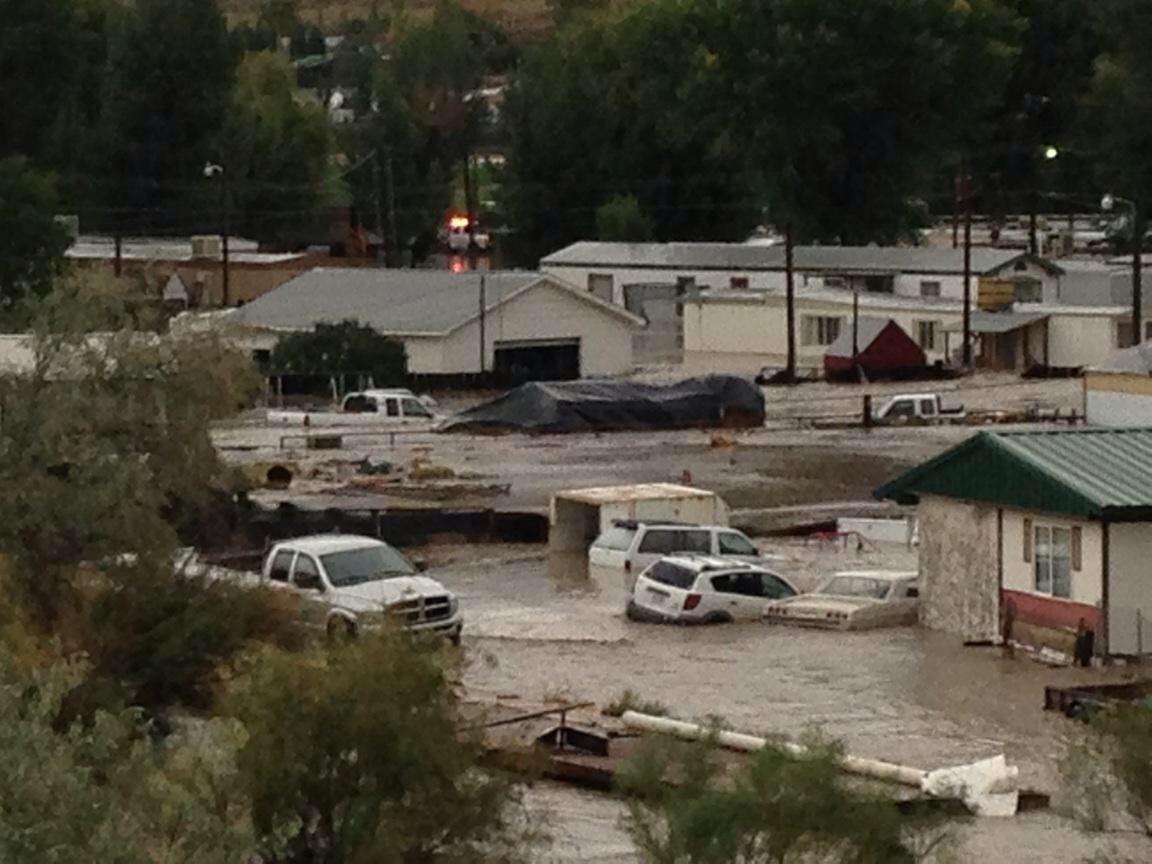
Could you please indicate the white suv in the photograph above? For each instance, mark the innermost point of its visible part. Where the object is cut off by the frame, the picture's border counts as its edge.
(631, 546)
(705, 589)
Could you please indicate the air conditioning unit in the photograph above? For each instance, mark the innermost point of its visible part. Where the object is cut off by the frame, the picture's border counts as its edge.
(206, 246)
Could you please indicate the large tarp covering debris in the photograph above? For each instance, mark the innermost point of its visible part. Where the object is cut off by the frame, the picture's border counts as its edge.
(597, 405)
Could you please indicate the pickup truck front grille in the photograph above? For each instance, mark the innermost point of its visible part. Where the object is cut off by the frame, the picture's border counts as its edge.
(437, 608)
(421, 610)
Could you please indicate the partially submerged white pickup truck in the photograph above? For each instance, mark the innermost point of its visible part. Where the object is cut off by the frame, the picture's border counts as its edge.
(397, 407)
(917, 407)
(350, 583)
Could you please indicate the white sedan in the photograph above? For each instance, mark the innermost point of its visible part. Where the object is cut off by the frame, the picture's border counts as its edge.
(705, 589)
(853, 601)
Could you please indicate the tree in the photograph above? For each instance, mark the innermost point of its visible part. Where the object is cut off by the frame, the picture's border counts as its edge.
(347, 348)
(603, 108)
(846, 108)
(621, 219)
(275, 150)
(158, 131)
(107, 438)
(99, 790)
(778, 808)
(356, 754)
(32, 242)
(421, 123)
(38, 46)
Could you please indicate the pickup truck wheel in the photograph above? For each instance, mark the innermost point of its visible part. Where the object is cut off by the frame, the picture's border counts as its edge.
(341, 630)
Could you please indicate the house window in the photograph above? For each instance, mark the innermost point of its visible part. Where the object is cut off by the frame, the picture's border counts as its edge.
(601, 285)
(1147, 330)
(835, 282)
(819, 329)
(1123, 334)
(1056, 552)
(929, 288)
(926, 334)
(1028, 291)
(738, 283)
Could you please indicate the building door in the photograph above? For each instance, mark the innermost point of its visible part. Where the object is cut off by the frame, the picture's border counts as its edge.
(537, 360)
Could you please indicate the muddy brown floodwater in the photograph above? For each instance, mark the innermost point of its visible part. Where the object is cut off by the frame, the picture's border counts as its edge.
(905, 695)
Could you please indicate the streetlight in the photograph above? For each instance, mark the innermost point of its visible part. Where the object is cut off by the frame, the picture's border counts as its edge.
(1051, 152)
(1108, 204)
(213, 170)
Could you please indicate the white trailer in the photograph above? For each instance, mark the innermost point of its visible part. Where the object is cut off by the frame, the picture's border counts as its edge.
(578, 516)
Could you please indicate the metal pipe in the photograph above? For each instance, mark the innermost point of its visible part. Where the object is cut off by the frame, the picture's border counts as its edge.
(889, 772)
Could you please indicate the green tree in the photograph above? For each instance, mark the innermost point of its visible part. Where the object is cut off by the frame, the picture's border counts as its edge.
(622, 219)
(101, 791)
(778, 808)
(275, 151)
(345, 348)
(604, 108)
(357, 754)
(846, 108)
(422, 123)
(158, 130)
(32, 242)
(1120, 89)
(107, 438)
(38, 46)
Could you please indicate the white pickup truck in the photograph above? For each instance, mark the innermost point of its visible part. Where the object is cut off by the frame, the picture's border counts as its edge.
(349, 583)
(917, 407)
(398, 407)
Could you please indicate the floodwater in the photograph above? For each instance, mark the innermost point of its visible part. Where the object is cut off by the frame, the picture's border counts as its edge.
(537, 632)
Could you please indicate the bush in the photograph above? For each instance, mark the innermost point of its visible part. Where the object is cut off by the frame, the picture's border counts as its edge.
(776, 807)
(345, 348)
(156, 640)
(355, 754)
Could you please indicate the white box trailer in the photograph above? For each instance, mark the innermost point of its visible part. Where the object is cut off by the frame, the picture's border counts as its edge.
(577, 516)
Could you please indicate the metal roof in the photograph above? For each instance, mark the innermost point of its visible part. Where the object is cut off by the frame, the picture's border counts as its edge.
(997, 322)
(744, 256)
(638, 492)
(401, 302)
(1085, 473)
(1137, 359)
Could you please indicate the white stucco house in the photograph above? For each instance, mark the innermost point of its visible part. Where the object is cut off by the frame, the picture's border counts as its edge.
(744, 331)
(606, 269)
(521, 324)
(1037, 535)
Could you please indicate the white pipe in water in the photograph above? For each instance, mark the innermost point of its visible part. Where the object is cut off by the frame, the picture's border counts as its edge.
(988, 788)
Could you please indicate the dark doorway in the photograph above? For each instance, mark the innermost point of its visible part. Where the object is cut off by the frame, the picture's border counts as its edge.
(543, 360)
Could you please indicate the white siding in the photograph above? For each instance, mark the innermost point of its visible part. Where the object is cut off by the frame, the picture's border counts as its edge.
(1130, 588)
(545, 312)
(425, 355)
(1019, 575)
(747, 334)
(1081, 339)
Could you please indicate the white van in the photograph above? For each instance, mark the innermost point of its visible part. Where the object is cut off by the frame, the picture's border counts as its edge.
(631, 546)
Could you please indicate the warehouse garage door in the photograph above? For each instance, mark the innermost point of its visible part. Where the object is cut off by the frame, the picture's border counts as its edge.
(537, 360)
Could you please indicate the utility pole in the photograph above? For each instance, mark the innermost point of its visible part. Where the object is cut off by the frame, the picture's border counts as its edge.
(213, 170)
(790, 299)
(226, 287)
(483, 335)
(956, 211)
(376, 200)
(392, 229)
(966, 350)
(1137, 274)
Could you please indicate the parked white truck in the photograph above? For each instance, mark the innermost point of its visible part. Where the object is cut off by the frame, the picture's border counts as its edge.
(349, 583)
(917, 408)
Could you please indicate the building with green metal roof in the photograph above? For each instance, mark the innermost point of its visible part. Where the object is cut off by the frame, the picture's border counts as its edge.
(1040, 533)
